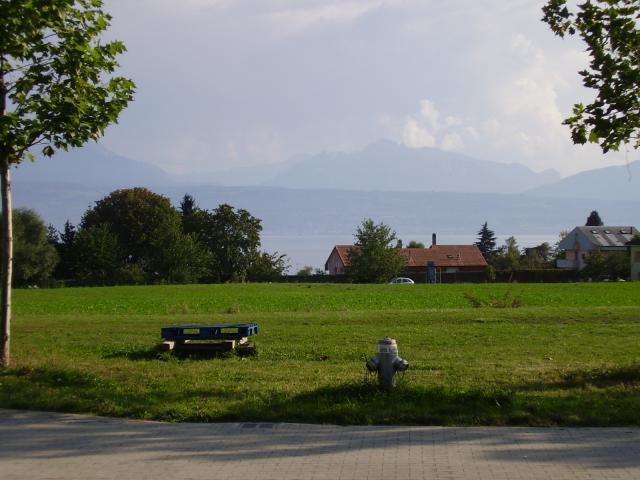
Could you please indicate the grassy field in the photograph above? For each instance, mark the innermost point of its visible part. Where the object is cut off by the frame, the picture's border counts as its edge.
(569, 354)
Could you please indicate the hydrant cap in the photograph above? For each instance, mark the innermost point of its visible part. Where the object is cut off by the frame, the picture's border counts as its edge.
(388, 345)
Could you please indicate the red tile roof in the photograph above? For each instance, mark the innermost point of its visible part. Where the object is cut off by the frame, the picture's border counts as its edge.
(442, 255)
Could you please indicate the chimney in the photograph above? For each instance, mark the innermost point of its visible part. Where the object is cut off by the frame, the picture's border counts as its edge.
(433, 239)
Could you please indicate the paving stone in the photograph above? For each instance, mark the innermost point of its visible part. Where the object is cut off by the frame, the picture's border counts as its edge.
(39, 446)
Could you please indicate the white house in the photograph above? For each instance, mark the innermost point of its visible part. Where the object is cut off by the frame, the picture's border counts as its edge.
(582, 242)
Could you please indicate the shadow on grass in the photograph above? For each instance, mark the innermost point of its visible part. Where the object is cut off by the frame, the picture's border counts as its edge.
(598, 378)
(135, 353)
(615, 404)
(603, 377)
(155, 353)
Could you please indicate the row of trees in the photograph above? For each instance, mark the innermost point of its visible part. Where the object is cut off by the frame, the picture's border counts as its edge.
(510, 256)
(136, 236)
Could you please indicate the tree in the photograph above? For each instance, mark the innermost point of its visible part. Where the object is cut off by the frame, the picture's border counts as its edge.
(415, 244)
(178, 258)
(611, 265)
(34, 256)
(149, 237)
(593, 220)
(54, 94)
(266, 267)
(98, 258)
(373, 258)
(557, 252)
(507, 257)
(486, 242)
(305, 271)
(610, 31)
(540, 256)
(65, 245)
(232, 237)
(193, 218)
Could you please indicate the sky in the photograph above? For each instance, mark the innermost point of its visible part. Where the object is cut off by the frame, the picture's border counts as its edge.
(223, 84)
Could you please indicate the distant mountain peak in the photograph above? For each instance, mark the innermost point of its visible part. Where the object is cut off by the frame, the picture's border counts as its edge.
(384, 144)
(389, 166)
(94, 165)
(620, 182)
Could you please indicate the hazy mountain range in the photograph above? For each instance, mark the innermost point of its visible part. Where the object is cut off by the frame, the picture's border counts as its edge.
(91, 165)
(388, 166)
(615, 183)
(413, 190)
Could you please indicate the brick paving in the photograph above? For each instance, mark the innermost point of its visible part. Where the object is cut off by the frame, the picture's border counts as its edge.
(36, 445)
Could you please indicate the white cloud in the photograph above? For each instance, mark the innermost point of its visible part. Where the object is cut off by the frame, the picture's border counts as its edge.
(426, 130)
(452, 121)
(299, 19)
(416, 135)
(519, 119)
(452, 141)
(521, 45)
(182, 155)
(429, 112)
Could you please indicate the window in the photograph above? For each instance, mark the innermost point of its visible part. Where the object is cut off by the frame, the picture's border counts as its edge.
(636, 256)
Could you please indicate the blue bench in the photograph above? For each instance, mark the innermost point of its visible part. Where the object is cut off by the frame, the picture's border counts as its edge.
(227, 331)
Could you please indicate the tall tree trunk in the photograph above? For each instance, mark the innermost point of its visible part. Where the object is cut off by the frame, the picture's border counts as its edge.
(7, 237)
(7, 261)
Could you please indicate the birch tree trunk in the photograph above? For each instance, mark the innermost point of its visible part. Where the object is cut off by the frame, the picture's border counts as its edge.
(6, 242)
(7, 262)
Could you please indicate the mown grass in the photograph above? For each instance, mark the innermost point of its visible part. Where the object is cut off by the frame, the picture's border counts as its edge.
(258, 298)
(570, 355)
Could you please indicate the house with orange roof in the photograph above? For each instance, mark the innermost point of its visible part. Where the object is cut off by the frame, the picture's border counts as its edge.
(445, 258)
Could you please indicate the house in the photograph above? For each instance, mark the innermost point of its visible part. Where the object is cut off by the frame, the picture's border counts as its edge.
(634, 250)
(445, 258)
(582, 242)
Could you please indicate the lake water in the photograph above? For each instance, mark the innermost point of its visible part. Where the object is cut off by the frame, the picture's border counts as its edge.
(315, 249)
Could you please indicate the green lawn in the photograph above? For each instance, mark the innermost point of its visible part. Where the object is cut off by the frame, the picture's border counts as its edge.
(570, 355)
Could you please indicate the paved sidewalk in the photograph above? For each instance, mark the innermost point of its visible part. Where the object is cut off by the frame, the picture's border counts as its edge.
(36, 445)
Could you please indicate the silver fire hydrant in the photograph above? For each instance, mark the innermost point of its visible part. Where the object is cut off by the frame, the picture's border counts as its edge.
(387, 363)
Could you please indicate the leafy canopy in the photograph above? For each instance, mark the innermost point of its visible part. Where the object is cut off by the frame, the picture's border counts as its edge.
(374, 259)
(141, 233)
(610, 30)
(52, 75)
(232, 239)
(34, 256)
(612, 264)
(507, 257)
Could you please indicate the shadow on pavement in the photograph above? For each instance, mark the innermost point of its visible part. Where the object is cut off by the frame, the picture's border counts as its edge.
(39, 435)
